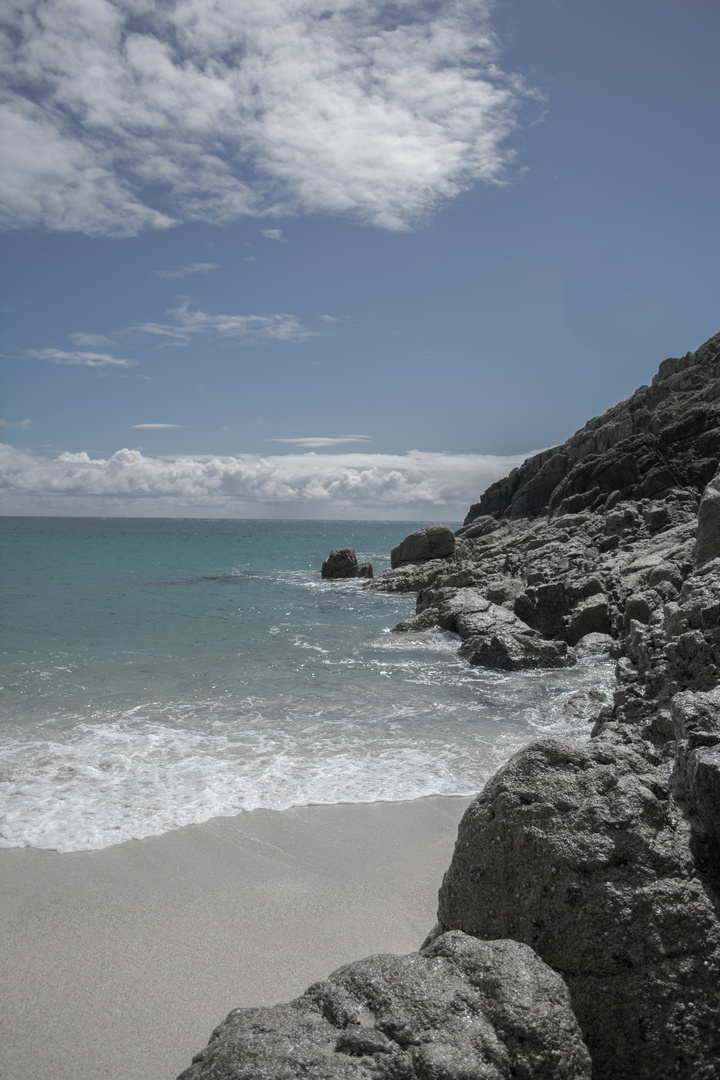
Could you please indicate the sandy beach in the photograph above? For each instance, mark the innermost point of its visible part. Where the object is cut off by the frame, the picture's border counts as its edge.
(118, 963)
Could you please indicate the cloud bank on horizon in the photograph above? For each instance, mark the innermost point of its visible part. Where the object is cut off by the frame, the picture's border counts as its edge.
(131, 115)
(415, 485)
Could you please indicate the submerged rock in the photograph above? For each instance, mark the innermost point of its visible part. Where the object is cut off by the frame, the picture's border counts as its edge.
(460, 1009)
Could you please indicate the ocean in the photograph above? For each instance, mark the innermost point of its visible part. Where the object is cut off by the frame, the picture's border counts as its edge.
(157, 673)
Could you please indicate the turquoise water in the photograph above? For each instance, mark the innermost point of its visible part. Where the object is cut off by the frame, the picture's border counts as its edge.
(156, 673)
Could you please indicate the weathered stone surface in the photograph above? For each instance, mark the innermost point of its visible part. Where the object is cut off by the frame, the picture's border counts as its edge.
(432, 542)
(591, 616)
(424, 620)
(343, 563)
(493, 635)
(577, 850)
(461, 1009)
(708, 534)
(696, 723)
(507, 650)
(585, 704)
(545, 607)
(479, 527)
(595, 645)
(412, 577)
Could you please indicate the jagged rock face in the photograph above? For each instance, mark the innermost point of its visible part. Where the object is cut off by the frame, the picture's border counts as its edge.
(461, 1009)
(666, 435)
(578, 850)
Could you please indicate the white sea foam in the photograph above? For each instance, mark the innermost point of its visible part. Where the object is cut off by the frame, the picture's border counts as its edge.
(159, 674)
(159, 767)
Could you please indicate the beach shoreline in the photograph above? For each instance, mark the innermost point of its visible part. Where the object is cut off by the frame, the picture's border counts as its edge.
(118, 963)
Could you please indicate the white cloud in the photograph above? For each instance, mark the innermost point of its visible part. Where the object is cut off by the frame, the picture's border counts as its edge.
(85, 359)
(143, 426)
(121, 115)
(192, 268)
(9, 424)
(416, 485)
(187, 323)
(318, 441)
(273, 234)
(92, 341)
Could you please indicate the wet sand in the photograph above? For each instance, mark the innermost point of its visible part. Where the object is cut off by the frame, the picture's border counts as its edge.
(118, 963)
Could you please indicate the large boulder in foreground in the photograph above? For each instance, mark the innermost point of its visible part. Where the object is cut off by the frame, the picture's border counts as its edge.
(461, 1009)
(343, 563)
(578, 850)
(432, 542)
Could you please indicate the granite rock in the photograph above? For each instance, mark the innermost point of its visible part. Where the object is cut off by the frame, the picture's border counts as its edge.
(432, 542)
(460, 1009)
(578, 850)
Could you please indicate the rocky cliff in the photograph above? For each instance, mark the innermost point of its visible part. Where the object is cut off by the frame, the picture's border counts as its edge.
(600, 858)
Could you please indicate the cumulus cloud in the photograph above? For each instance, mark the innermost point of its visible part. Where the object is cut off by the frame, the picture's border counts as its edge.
(183, 271)
(416, 485)
(316, 442)
(10, 424)
(273, 234)
(121, 115)
(187, 323)
(84, 359)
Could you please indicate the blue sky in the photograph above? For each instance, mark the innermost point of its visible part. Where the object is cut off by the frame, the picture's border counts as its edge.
(304, 259)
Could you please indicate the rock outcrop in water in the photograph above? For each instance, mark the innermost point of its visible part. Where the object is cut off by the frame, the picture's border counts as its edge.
(600, 858)
(343, 563)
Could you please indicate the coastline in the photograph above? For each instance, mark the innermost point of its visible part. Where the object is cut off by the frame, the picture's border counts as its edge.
(119, 962)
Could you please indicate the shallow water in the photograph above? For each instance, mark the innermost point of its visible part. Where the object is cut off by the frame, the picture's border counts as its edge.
(157, 673)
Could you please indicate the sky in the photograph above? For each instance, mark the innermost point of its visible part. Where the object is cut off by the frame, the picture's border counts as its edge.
(315, 259)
